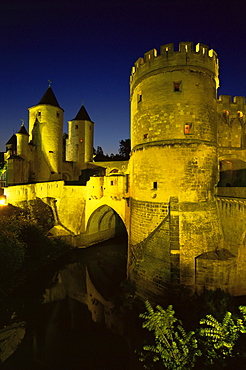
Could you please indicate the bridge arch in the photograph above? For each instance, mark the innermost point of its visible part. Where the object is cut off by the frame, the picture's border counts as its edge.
(232, 171)
(104, 223)
(232, 157)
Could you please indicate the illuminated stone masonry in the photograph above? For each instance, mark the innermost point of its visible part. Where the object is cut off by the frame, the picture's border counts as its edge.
(182, 194)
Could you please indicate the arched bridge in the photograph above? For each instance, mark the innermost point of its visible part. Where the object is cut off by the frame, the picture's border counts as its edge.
(85, 214)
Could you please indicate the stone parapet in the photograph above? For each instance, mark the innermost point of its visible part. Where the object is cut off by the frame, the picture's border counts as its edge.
(231, 192)
(202, 56)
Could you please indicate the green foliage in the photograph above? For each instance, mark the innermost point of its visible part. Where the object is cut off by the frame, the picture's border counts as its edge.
(28, 260)
(220, 336)
(2, 162)
(41, 251)
(12, 255)
(125, 148)
(173, 346)
(124, 152)
(24, 250)
(242, 310)
(216, 341)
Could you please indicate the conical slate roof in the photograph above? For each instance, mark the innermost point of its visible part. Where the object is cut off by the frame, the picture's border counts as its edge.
(23, 131)
(12, 140)
(82, 115)
(49, 98)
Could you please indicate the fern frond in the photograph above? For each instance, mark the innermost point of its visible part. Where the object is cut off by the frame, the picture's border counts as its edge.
(177, 349)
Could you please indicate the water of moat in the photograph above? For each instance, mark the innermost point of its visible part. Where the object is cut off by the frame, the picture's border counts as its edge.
(85, 345)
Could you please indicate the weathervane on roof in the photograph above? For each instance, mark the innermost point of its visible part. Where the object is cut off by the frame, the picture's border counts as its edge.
(22, 122)
(50, 82)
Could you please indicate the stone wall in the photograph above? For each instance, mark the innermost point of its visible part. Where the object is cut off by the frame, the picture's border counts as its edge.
(150, 263)
(216, 270)
(186, 169)
(83, 215)
(200, 232)
(231, 121)
(145, 217)
(232, 216)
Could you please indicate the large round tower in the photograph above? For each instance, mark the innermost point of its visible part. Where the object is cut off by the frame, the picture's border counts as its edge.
(173, 165)
(45, 130)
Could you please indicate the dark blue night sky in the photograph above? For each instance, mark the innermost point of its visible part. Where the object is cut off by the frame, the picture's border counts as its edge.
(87, 49)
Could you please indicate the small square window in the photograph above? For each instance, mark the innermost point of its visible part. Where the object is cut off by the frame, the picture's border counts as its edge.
(139, 97)
(111, 182)
(76, 126)
(155, 185)
(187, 128)
(57, 114)
(176, 86)
(146, 136)
(39, 114)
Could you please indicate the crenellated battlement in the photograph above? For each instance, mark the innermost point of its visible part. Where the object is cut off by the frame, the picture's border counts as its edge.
(231, 121)
(201, 56)
(230, 104)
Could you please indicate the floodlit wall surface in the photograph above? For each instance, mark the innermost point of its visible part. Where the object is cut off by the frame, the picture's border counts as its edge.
(173, 163)
(181, 196)
(76, 209)
(46, 128)
(233, 215)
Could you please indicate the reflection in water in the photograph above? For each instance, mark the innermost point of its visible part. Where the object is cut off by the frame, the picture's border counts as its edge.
(62, 334)
(87, 346)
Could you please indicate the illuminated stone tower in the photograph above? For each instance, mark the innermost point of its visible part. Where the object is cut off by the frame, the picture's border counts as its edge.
(79, 145)
(173, 166)
(45, 130)
(22, 142)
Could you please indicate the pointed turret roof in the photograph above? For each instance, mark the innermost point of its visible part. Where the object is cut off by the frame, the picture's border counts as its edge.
(12, 140)
(82, 115)
(49, 98)
(23, 131)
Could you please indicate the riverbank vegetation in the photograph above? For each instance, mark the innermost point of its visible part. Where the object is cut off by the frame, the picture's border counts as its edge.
(28, 259)
(200, 331)
(213, 344)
